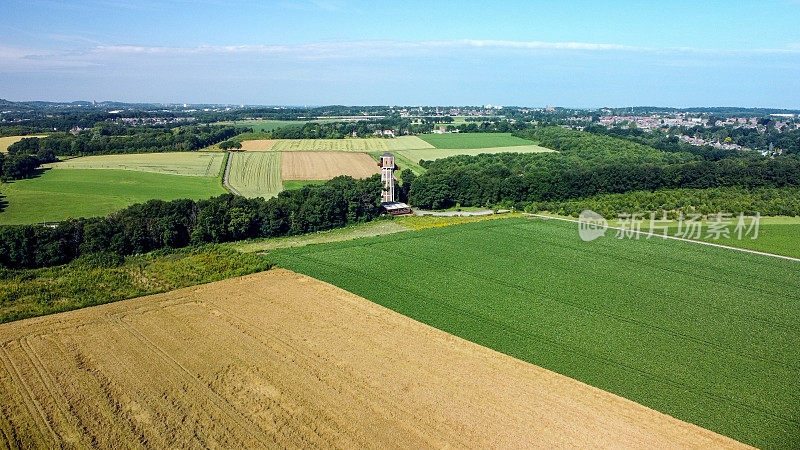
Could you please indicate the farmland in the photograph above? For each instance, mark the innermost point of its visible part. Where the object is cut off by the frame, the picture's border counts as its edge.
(5, 141)
(777, 235)
(34, 292)
(256, 174)
(326, 165)
(57, 194)
(703, 334)
(349, 145)
(438, 153)
(258, 145)
(264, 125)
(473, 140)
(292, 362)
(200, 164)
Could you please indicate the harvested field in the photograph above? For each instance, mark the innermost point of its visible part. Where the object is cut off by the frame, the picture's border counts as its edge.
(349, 145)
(278, 359)
(256, 174)
(258, 145)
(701, 333)
(201, 164)
(326, 165)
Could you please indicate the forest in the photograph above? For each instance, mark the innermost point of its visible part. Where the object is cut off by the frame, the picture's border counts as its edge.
(588, 165)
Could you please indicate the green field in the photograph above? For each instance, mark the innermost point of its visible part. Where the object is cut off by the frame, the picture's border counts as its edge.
(260, 126)
(437, 153)
(705, 334)
(297, 184)
(473, 140)
(350, 144)
(256, 174)
(205, 164)
(265, 125)
(5, 141)
(61, 193)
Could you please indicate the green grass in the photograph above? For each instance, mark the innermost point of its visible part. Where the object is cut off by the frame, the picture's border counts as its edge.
(265, 125)
(61, 193)
(705, 334)
(297, 184)
(368, 229)
(205, 164)
(256, 174)
(473, 140)
(94, 279)
(380, 227)
(437, 153)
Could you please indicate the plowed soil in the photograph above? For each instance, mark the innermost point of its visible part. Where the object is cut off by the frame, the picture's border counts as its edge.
(279, 359)
(326, 165)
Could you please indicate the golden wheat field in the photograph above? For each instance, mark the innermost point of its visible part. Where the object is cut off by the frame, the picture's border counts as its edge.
(326, 165)
(278, 359)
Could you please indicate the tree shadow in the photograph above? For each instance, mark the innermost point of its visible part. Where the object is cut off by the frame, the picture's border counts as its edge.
(39, 171)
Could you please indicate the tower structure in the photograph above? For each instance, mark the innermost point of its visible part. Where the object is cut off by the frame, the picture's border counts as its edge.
(388, 167)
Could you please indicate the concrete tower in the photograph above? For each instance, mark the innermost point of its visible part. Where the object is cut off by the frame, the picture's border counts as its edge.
(387, 176)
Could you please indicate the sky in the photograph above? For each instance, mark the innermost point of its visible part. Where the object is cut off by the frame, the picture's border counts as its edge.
(352, 52)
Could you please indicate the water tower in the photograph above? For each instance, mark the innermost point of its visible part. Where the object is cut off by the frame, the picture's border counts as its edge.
(388, 167)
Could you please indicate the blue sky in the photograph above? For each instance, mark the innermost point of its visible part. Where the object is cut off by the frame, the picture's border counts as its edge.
(580, 54)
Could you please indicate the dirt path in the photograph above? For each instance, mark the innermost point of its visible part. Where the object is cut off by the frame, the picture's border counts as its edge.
(278, 359)
(225, 181)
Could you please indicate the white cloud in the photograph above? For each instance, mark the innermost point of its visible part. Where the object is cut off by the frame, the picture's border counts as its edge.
(18, 59)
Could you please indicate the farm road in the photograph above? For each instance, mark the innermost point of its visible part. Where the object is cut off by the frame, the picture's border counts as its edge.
(225, 176)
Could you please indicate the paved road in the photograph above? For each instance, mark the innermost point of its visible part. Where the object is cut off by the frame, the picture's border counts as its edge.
(225, 176)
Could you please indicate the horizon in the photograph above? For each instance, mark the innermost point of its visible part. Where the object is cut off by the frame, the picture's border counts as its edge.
(321, 52)
(312, 106)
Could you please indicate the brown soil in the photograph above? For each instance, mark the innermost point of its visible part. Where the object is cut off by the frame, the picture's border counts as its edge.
(278, 359)
(326, 165)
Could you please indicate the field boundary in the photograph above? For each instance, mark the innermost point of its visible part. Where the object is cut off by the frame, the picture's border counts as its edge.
(651, 234)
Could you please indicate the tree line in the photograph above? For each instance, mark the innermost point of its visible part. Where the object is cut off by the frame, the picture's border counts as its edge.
(106, 138)
(160, 224)
(25, 156)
